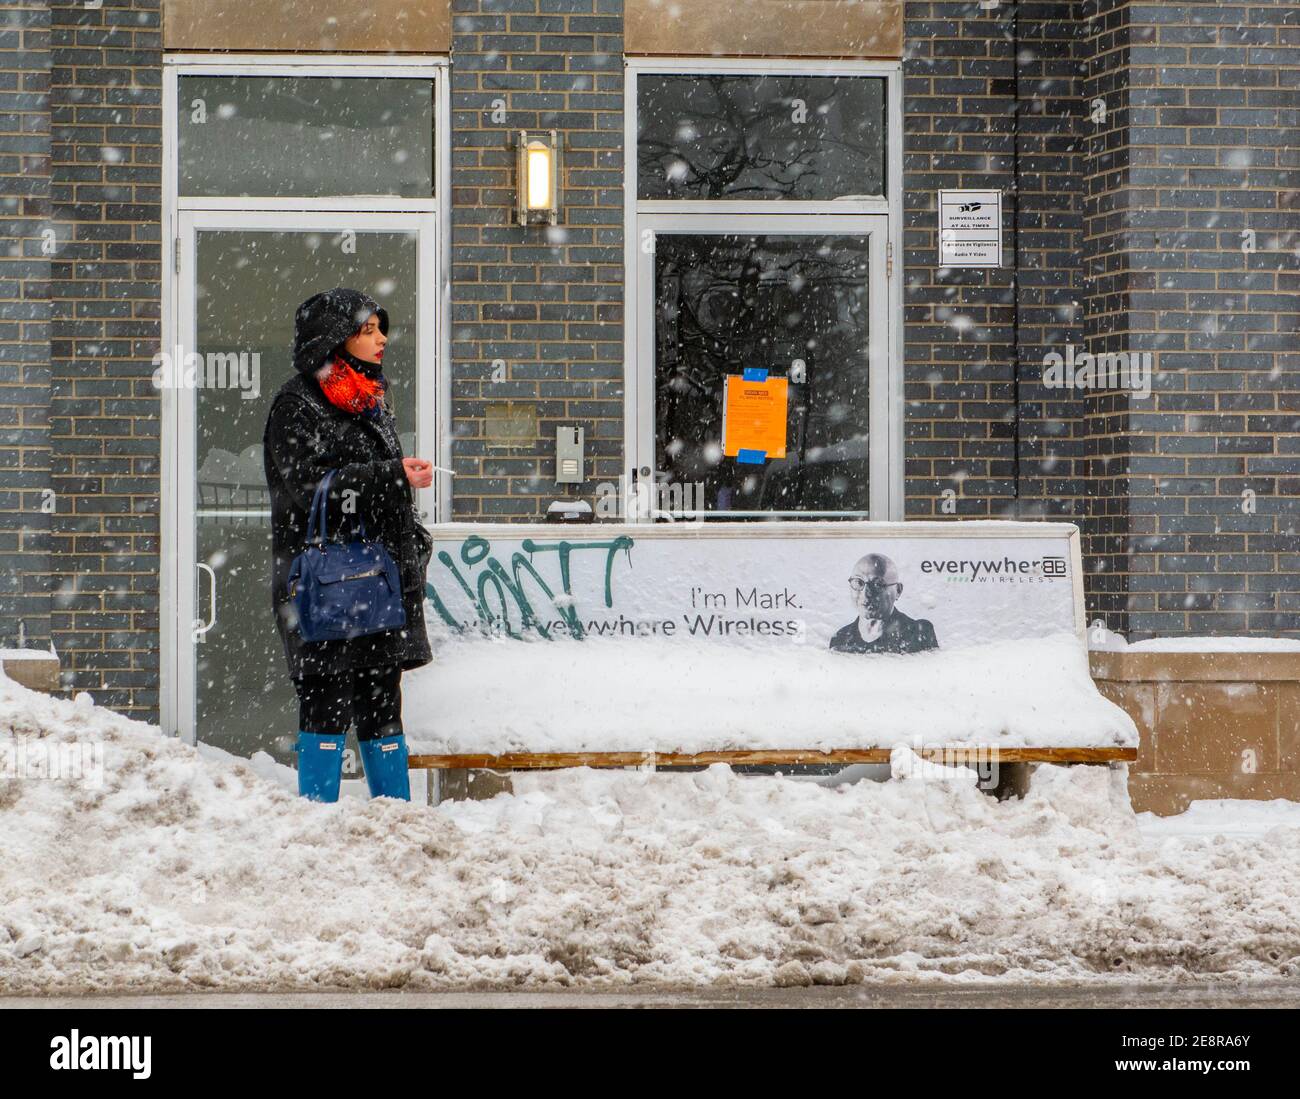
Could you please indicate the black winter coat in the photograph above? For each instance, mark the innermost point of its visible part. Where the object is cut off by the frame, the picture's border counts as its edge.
(306, 436)
(900, 634)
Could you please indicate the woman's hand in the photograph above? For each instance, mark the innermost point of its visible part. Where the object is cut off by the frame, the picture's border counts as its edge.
(419, 473)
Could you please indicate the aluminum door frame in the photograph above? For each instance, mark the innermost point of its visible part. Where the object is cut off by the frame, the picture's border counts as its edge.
(881, 425)
(890, 203)
(179, 506)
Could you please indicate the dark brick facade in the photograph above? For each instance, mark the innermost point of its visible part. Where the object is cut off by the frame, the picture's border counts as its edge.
(1124, 231)
(25, 490)
(1201, 260)
(1103, 425)
(1150, 139)
(105, 184)
(992, 101)
(536, 310)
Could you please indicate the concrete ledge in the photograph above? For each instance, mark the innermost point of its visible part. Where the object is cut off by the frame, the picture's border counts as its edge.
(1234, 667)
(767, 28)
(1210, 724)
(37, 673)
(381, 27)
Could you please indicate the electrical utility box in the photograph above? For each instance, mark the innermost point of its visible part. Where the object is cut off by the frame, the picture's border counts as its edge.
(568, 455)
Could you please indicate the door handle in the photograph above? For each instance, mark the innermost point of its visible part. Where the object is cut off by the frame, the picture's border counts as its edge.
(201, 627)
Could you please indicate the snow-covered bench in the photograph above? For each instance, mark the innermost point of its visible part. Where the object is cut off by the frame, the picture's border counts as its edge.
(665, 645)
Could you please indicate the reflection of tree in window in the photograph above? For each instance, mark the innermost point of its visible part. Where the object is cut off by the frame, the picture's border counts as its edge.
(778, 137)
(726, 302)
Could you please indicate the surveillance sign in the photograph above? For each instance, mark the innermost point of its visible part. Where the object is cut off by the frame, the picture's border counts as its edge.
(970, 228)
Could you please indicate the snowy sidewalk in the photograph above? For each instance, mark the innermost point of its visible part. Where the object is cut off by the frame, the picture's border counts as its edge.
(189, 871)
(1107, 994)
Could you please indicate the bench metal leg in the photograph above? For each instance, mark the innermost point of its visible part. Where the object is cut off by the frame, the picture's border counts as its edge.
(485, 785)
(1012, 781)
(455, 783)
(465, 784)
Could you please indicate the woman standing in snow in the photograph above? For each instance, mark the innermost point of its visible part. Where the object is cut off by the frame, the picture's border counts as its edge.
(333, 415)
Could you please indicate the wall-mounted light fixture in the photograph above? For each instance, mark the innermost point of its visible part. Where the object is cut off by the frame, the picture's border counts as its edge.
(537, 178)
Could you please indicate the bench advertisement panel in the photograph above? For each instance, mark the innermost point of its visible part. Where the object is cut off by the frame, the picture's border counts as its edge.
(841, 586)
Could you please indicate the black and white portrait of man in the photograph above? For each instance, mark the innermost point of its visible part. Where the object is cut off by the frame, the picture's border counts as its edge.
(880, 627)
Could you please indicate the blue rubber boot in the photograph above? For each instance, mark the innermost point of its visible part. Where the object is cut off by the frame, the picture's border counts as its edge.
(385, 759)
(320, 765)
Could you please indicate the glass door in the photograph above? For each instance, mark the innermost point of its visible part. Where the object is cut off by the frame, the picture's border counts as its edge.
(241, 277)
(795, 300)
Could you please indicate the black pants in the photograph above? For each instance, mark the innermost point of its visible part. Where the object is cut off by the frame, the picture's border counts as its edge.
(369, 698)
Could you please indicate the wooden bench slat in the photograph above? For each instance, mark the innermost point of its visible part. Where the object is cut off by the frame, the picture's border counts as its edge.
(523, 761)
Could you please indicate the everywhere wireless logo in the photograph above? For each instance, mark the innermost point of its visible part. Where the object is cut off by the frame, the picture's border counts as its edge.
(1006, 569)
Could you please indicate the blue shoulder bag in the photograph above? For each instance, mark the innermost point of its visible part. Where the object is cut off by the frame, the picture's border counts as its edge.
(343, 589)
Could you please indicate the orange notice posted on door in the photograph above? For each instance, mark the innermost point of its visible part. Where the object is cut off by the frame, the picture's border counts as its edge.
(754, 418)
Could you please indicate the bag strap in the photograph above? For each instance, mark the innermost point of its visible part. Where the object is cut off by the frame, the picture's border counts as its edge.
(319, 506)
(319, 509)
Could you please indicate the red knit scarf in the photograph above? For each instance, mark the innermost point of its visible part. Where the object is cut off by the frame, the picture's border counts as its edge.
(349, 389)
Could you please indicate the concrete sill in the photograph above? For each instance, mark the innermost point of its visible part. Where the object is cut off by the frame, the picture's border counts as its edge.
(36, 673)
(1205, 667)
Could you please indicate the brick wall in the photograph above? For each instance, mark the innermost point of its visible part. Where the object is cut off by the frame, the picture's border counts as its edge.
(105, 102)
(1193, 247)
(1103, 427)
(1129, 225)
(24, 325)
(975, 423)
(536, 311)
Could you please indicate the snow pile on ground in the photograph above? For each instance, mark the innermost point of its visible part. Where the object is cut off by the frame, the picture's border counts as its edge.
(194, 870)
(656, 694)
(1224, 817)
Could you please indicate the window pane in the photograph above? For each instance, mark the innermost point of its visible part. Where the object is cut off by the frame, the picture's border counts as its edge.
(760, 137)
(793, 304)
(305, 136)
